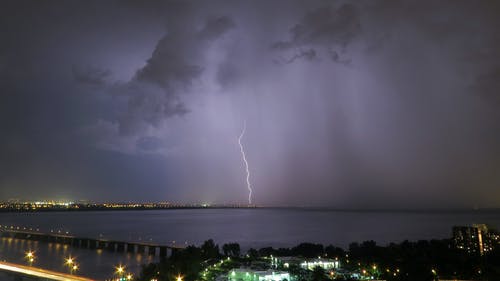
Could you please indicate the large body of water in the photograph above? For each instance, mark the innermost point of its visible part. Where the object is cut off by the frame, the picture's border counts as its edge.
(250, 227)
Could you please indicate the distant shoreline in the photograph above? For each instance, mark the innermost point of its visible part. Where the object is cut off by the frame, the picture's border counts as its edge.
(82, 208)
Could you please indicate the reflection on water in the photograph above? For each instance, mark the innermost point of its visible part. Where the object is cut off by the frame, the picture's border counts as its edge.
(93, 263)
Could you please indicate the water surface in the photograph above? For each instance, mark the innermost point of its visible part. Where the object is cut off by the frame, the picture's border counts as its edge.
(250, 227)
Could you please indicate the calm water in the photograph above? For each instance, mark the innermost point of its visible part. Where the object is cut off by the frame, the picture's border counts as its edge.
(249, 227)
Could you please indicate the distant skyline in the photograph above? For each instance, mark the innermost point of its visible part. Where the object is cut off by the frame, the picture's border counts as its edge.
(347, 104)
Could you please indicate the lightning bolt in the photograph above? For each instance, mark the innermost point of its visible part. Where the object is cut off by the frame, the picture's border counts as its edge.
(243, 156)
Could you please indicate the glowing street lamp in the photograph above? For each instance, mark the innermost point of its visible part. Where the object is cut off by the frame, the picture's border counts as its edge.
(30, 256)
(434, 273)
(74, 268)
(120, 270)
(71, 264)
(179, 278)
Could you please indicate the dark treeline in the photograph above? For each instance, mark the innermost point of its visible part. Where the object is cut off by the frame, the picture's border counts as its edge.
(188, 262)
(421, 260)
(306, 250)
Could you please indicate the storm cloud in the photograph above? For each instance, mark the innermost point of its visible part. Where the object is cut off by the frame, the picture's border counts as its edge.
(175, 64)
(358, 104)
(326, 28)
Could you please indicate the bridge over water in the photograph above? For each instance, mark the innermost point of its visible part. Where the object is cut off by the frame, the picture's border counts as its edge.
(92, 243)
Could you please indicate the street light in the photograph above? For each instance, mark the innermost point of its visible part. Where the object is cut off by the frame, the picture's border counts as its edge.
(71, 264)
(74, 268)
(179, 278)
(30, 256)
(434, 273)
(120, 270)
(69, 261)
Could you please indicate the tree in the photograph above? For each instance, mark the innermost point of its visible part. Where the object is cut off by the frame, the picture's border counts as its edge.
(267, 251)
(252, 253)
(334, 252)
(231, 249)
(308, 250)
(210, 250)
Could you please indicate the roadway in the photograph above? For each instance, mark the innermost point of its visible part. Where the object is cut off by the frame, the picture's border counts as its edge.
(39, 272)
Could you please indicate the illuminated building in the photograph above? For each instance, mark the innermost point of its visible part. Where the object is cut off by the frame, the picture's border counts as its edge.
(474, 239)
(242, 274)
(285, 261)
(309, 264)
(326, 264)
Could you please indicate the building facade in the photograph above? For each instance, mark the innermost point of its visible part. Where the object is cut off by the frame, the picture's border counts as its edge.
(475, 239)
(242, 274)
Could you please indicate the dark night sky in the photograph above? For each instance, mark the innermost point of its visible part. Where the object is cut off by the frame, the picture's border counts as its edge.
(376, 104)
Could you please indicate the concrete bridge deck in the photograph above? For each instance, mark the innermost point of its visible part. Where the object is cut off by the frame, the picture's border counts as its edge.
(93, 243)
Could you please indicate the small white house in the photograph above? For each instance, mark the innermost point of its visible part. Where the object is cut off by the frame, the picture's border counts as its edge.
(242, 274)
(326, 264)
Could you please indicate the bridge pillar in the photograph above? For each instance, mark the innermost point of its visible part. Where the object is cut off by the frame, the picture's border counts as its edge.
(151, 250)
(99, 244)
(163, 252)
(173, 251)
(141, 249)
(75, 242)
(85, 243)
(130, 248)
(111, 246)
